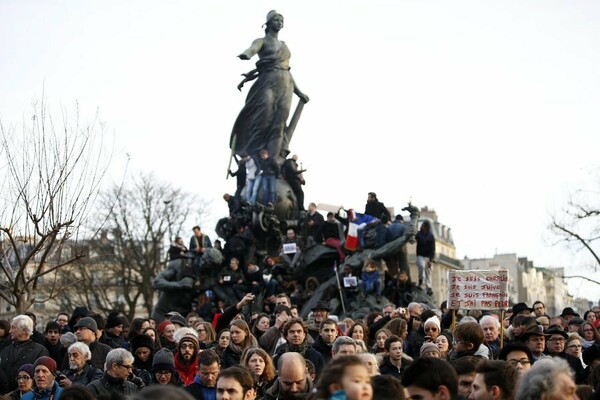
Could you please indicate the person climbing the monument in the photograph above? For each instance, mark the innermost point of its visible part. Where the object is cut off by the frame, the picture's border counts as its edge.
(294, 177)
(262, 122)
(425, 254)
(269, 171)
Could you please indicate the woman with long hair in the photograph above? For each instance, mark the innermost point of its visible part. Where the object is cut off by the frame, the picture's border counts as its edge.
(241, 339)
(137, 327)
(206, 333)
(260, 364)
(261, 324)
(359, 331)
(380, 336)
(153, 333)
(222, 342)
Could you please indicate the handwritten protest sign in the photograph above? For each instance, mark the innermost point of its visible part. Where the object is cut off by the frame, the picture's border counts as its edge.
(478, 290)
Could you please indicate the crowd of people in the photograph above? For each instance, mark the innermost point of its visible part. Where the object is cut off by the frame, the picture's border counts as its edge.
(395, 353)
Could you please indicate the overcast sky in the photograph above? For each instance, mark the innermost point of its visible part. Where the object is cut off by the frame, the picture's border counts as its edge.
(486, 111)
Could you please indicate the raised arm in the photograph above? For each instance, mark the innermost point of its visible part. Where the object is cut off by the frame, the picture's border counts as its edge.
(252, 50)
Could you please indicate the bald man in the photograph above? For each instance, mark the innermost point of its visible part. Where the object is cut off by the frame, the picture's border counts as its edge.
(292, 378)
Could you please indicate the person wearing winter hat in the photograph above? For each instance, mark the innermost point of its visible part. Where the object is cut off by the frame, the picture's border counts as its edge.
(113, 330)
(142, 348)
(163, 368)
(430, 350)
(44, 374)
(86, 330)
(166, 331)
(24, 382)
(186, 358)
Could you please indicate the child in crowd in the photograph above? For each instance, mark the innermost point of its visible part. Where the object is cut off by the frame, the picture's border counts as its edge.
(344, 377)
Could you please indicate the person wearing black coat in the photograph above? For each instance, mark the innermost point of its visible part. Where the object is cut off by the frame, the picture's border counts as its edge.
(375, 208)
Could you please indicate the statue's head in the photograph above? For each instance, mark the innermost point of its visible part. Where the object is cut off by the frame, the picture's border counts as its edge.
(274, 21)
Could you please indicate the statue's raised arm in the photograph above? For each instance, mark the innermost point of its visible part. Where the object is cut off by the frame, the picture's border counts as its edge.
(262, 122)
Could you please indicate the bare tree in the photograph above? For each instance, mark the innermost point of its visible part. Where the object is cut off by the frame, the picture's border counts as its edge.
(50, 175)
(141, 218)
(578, 224)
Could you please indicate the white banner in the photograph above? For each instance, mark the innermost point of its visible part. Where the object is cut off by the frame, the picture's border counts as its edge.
(478, 290)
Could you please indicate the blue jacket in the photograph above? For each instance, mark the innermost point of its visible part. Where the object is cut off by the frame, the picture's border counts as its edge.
(44, 394)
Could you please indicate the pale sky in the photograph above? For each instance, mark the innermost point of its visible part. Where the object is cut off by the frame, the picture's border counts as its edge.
(486, 111)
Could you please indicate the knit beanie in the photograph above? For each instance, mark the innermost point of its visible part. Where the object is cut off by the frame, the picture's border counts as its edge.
(179, 320)
(433, 320)
(161, 327)
(142, 341)
(46, 362)
(163, 360)
(28, 368)
(428, 347)
(67, 339)
(113, 320)
(87, 322)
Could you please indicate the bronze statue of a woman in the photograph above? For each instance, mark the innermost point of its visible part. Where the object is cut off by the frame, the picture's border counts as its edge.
(262, 122)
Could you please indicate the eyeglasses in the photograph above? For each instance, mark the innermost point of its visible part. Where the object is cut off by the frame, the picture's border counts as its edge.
(187, 346)
(23, 378)
(574, 346)
(431, 329)
(455, 341)
(163, 373)
(125, 366)
(522, 361)
(588, 330)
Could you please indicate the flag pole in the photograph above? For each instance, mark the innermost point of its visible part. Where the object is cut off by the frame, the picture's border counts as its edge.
(339, 285)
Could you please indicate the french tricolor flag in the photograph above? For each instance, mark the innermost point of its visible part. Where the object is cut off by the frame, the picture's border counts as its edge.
(356, 221)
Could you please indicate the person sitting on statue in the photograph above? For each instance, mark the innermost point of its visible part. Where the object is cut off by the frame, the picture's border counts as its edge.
(399, 289)
(375, 208)
(330, 233)
(199, 242)
(177, 249)
(269, 171)
(312, 222)
(240, 174)
(289, 257)
(371, 282)
(229, 276)
(294, 177)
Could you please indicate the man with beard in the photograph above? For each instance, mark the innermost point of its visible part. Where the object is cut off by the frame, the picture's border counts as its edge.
(292, 381)
(203, 387)
(295, 332)
(80, 370)
(327, 336)
(186, 358)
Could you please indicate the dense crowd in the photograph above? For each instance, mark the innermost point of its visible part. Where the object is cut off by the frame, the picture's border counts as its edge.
(396, 353)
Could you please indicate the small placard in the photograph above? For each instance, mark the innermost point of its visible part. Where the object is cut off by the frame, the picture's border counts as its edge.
(226, 278)
(290, 248)
(350, 281)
